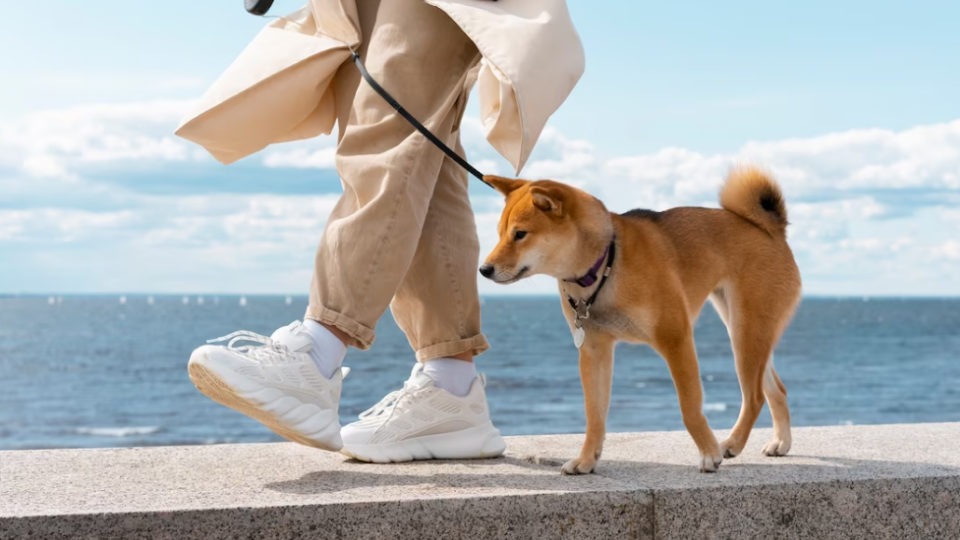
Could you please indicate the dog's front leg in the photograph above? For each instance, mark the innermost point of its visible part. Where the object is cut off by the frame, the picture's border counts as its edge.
(596, 376)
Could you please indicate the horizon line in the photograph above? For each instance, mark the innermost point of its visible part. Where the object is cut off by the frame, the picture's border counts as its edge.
(498, 296)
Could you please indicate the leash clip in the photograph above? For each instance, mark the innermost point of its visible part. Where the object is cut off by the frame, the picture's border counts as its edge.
(582, 310)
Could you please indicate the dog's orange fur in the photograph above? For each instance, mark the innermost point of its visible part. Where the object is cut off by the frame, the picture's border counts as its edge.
(667, 265)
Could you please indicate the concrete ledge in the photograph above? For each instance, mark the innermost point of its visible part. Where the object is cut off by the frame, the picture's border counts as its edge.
(863, 482)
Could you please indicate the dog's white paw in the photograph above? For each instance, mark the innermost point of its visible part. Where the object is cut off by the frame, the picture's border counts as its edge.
(777, 447)
(710, 463)
(728, 449)
(578, 466)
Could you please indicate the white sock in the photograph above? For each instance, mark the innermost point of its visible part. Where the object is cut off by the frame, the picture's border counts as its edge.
(454, 376)
(328, 351)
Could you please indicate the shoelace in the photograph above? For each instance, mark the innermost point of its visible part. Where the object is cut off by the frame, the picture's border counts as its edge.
(269, 351)
(391, 403)
(381, 406)
(392, 400)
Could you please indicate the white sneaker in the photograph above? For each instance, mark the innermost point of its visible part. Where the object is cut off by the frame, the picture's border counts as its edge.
(275, 382)
(424, 422)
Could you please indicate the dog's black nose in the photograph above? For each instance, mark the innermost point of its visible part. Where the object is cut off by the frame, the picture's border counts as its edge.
(486, 270)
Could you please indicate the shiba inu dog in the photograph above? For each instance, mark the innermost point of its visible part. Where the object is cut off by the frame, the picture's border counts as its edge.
(644, 276)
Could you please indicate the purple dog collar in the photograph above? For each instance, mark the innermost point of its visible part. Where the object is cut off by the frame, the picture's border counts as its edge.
(591, 277)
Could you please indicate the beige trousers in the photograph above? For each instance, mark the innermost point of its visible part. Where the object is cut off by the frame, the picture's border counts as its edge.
(403, 233)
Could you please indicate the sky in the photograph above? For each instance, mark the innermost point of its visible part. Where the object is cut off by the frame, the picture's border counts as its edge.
(855, 107)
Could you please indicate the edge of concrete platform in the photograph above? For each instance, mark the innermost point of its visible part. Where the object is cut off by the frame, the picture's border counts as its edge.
(869, 482)
(609, 514)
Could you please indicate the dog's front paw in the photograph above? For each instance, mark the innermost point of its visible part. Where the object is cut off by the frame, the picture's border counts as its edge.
(777, 447)
(578, 466)
(710, 463)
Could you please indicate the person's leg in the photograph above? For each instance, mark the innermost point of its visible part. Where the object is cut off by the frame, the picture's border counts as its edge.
(442, 412)
(437, 304)
(389, 171)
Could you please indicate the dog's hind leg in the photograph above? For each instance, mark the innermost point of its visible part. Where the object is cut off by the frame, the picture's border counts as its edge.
(753, 339)
(753, 336)
(776, 395)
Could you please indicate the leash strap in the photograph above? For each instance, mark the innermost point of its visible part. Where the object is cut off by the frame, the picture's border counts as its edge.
(413, 121)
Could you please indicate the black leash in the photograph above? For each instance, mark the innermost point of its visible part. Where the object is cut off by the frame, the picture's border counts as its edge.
(414, 122)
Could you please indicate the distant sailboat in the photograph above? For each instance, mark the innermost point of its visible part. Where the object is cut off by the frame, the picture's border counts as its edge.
(123, 300)
(200, 300)
(289, 300)
(243, 301)
(186, 300)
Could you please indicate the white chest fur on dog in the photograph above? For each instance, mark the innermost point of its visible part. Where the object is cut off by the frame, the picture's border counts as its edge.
(635, 328)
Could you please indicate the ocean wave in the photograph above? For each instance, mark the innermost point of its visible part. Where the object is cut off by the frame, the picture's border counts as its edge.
(118, 432)
(715, 407)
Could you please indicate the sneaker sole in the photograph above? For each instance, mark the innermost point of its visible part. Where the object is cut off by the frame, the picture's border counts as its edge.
(212, 385)
(481, 442)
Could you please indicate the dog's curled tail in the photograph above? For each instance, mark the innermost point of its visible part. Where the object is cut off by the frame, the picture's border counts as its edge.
(755, 196)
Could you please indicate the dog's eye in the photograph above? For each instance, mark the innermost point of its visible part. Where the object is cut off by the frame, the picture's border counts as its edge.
(519, 235)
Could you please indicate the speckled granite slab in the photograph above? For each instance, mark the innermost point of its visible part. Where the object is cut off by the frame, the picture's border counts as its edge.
(858, 482)
(844, 482)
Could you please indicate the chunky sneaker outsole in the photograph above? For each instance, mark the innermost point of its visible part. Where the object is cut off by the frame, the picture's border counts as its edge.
(481, 442)
(284, 414)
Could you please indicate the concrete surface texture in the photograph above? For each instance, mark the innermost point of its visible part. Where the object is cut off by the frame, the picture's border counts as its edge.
(857, 482)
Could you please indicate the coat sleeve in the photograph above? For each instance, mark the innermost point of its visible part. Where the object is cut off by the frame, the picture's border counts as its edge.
(532, 59)
(277, 90)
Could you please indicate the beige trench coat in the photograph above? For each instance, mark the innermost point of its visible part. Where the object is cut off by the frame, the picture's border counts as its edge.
(278, 89)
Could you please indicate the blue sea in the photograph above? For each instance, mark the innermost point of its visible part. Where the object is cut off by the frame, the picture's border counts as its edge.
(99, 371)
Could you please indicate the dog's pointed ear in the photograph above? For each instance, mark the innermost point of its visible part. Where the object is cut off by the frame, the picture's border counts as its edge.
(547, 199)
(506, 186)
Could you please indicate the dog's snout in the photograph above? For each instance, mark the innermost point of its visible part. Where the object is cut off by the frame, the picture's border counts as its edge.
(487, 270)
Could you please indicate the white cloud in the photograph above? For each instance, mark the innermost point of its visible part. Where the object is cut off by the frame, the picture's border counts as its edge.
(834, 166)
(948, 250)
(871, 210)
(563, 155)
(247, 221)
(921, 157)
(59, 224)
(301, 158)
(51, 143)
(46, 166)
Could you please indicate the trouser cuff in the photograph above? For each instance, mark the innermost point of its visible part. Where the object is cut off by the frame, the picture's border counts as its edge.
(476, 345)
(363, 336)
